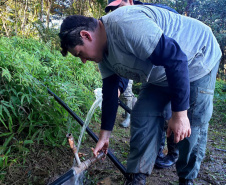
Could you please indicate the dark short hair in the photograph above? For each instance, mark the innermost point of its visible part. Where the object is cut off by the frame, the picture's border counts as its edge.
(70, 31)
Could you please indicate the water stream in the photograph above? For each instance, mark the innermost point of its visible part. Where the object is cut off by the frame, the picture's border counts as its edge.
(77, 179)
(97, 103)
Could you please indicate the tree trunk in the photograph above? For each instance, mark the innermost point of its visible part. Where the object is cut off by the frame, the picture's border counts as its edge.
(16, 15)
(49, 3)
(25, 17)
(41, 14)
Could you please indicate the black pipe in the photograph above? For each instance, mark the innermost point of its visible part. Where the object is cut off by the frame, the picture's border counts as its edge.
(124, 106)
(63, 178)
(90, 132)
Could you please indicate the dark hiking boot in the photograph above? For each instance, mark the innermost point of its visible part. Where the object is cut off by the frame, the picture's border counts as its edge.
(183, 181)
(172, 156)
(165, 162)
(136, 179)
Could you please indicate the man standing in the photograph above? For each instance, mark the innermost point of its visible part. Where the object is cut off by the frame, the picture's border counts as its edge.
(175, 57)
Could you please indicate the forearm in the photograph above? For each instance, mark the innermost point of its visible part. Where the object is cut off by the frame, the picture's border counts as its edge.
(110, 102)
(104, 134)
(180, 114)
(179, 86)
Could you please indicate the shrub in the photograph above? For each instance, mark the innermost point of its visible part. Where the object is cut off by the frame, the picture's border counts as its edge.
(219, 103)
(27, 112)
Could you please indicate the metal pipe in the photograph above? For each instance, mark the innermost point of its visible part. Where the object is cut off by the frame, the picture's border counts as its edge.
(73, 147)
(92, 135)
(86, 164)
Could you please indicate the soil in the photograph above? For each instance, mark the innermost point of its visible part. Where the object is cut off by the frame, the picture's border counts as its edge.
(44, 164)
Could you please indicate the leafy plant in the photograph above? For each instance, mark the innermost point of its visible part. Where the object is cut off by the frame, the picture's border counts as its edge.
(28, 114)
(219, 103)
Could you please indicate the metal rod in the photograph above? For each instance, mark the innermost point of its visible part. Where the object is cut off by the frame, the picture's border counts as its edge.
(71, 141)
(86, 164)
(116, 162)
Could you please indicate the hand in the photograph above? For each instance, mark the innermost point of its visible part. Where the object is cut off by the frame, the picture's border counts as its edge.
(179, 124)
(102, 143)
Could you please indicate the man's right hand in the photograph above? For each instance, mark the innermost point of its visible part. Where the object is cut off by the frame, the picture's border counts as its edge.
(179, 124)
(103, 142)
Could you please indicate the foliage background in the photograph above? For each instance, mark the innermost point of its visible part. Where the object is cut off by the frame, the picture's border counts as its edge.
(28, 114)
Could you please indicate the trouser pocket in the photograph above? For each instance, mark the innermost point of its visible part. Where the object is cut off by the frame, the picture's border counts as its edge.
(201, 109)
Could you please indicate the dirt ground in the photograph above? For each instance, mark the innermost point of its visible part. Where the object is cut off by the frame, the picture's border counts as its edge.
(45, 164)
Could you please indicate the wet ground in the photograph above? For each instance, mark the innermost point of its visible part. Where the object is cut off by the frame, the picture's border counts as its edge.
(45, 164)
